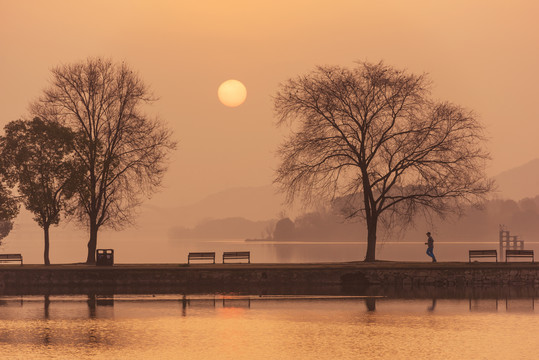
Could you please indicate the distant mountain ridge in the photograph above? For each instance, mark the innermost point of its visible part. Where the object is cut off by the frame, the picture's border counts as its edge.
(263, 203)
(519, 182)
(227, 228)
(252, 203)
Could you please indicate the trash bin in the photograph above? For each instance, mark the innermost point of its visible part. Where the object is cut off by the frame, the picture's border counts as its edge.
(105, 257)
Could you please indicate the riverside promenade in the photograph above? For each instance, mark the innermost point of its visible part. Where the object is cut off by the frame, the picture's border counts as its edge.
(316, 278)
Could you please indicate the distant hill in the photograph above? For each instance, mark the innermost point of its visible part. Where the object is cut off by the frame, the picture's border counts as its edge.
(252, 203)
(228, 228)
(263, 203)
(519, 182)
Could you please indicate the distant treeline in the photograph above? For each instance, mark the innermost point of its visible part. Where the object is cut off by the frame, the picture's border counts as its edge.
(477, 224)
(520, 217)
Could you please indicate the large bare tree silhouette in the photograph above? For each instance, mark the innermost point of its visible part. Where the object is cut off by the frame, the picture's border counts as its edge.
(121, 150)
(372, 135)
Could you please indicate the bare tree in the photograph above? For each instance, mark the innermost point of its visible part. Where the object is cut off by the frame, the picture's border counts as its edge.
(122, 152)
(38, 159)
(372, 134)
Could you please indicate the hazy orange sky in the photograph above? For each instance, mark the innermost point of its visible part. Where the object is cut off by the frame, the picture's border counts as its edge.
(481, 54)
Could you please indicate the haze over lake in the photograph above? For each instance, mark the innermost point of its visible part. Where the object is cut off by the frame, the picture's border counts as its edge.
(241, 213)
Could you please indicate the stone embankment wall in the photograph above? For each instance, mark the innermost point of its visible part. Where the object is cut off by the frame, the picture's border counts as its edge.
(440, 277)
(260, 279)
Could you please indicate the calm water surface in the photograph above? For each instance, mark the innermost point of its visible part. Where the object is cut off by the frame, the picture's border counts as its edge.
(272, 327)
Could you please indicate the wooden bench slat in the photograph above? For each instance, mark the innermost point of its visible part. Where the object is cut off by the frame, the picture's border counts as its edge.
(483, 252)
(519, 252)
(236, 253)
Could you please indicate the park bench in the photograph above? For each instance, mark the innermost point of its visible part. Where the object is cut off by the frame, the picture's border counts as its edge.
(237, 255)
(200, 256)
(482, 254)
(11, 257)
(518, 253)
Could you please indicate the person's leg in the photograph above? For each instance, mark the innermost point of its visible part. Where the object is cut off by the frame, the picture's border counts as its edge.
(431, 254)
(430, 251)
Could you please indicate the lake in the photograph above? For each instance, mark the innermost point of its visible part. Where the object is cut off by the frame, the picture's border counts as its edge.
(266, 327)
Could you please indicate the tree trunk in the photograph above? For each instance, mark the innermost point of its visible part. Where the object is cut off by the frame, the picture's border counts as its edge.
(371, 304)
(372, 223)
(46, 259)
(92, 304)
(92, 244)
(370, 215)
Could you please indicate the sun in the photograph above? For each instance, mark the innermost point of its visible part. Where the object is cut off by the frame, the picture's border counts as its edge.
(232, 93)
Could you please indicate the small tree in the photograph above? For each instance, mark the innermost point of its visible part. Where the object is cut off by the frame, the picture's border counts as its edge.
(122, 151)
(38, 158)
(373, 135)
(9, 209)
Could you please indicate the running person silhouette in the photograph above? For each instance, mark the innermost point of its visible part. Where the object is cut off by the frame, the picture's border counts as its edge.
(430, 247)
